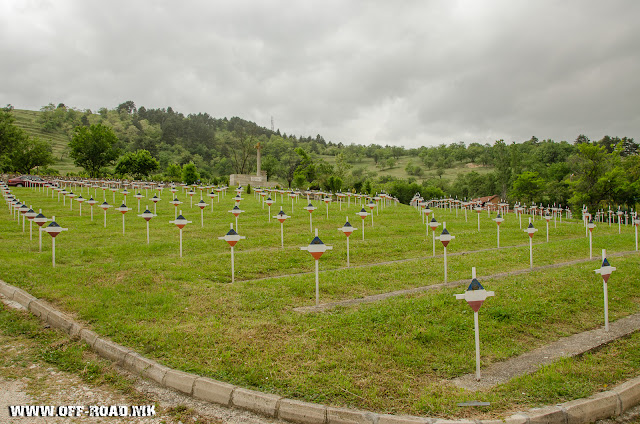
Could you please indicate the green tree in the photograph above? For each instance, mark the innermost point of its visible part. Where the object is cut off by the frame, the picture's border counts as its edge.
(139, 164)
(30, 153)
(173, 171)
(528, 187)
(10, 135)
(93, 148)
(588, 167)
(190, 173)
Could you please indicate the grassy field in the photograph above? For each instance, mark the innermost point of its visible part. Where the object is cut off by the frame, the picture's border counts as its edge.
(391, 356)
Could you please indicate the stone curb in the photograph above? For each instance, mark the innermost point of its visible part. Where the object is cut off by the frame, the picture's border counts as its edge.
(598, 406)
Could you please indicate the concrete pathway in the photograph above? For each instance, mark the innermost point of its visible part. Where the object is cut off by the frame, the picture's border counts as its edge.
(527, 363)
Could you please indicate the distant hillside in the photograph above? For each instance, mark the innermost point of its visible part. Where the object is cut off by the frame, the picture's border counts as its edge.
(28, 121)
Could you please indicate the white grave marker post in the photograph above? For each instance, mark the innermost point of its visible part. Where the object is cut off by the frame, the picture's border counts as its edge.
(238, 199)
(40, 219)
(124, 193)
(310, 208)
(434, 225)
(427, 211)
(327, 200)
(155, 199)
(236, 211)
(498, 219)
(92, 202)
(123, 209)
(180, 222)
(445, 238)
(619, 213)
(293, 196)
(316, 248)
(478, 209)
(175, 202)
(605, 271)
(371, 206)
(547, 218)
(347, 229)
(281, 216)
(202, 204)
(147, 215)
(137, 196)
(636, 222)
(362, 214)
(475, 296)
(191, 193)
(232, 238)
(590, 226)
(54, 229)
(30, 215)
(80, 199)
(71, 196)
(530, 230)
(211, 196)
(104, 207)
(269, 202)
(23, 210)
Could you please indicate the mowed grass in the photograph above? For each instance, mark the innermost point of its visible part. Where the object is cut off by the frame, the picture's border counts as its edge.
(390, 356)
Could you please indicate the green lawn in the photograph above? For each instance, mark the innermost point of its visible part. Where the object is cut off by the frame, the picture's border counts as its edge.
(390, 356)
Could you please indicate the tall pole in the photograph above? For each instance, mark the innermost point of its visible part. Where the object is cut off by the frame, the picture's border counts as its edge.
(445, 264)
(531, 252)
(232, 267)
(348, 252)
(317, 285)
(180, 242)
(606, 297)
(147, 232)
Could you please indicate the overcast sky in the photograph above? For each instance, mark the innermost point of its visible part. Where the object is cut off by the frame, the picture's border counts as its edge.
(406, 73)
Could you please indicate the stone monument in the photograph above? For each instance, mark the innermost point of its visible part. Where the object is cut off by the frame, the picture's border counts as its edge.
(258, 180)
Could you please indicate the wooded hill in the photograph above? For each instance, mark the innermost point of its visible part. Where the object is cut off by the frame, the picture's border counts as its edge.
(580, 171)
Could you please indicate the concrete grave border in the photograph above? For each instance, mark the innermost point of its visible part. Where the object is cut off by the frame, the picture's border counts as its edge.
(601, 405)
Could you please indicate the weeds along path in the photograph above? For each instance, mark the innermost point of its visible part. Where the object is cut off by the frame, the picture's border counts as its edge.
(382, 296)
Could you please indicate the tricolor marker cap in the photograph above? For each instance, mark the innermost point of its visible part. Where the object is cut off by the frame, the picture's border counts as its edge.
(433, 223)
(155, 199)
(137, 196)
(92, 201)
(310, 208)
(180, 221)
(80, 199)
(123, 208)
(531, 229)
(147, 215)
(202, 204)
(475, 295)
(71, 195)
(40, 219)
(269, 201)
(231, 237)
(30, 214)
(605, 270)
(105, 206)
(54, 229)
(547, 217)
(371, 205)
(23, 208)
(236, 210)
(347, 228)
(591, 225)
(175, 202)
(281, 216)
(212, 194)
(498, 219)
(316, 247)
(363, 213)
(445, 237)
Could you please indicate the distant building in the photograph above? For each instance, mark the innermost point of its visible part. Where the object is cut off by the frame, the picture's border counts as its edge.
(493, 200)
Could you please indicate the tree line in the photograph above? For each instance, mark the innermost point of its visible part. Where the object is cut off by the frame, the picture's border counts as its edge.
(158, 143)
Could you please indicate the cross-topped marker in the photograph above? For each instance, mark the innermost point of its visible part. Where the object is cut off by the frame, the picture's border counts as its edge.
(137, 196)
(475, 297)
(531, 231)
(499, 220)
(236, 211)
(445, 238)
(362, 214)
(269, 202)
(281, 216)
(104, 207)
(123, 209)
(202, 204)
(175, 202)
(40, 219)
(590, 226)
(347, 229)
(310, 208)
(180, 222)
(232, 238)
(605, 271)
(317, 248)
(54, 229)
(147, 215)
(434, 224)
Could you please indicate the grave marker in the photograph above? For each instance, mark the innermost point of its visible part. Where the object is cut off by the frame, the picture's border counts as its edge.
(317, 248)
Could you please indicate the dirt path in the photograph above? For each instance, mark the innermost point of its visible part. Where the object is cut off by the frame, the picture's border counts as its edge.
(26, 379)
